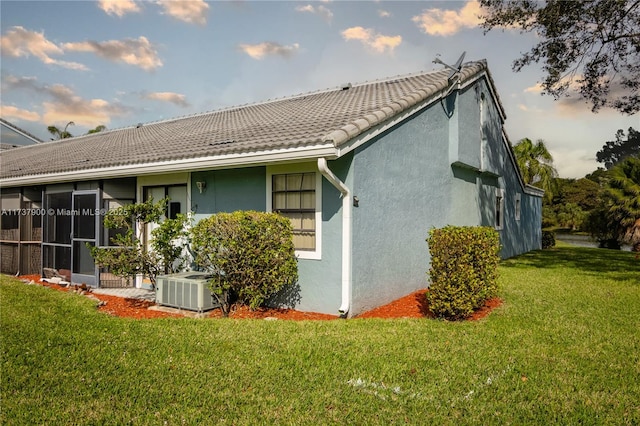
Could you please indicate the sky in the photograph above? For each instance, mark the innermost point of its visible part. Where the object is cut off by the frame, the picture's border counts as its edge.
(121, 62)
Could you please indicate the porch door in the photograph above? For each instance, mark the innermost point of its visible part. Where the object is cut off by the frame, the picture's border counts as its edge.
(86, 228)
(56, 242)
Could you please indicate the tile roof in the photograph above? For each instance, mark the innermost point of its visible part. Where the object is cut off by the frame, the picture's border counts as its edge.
(330, 118)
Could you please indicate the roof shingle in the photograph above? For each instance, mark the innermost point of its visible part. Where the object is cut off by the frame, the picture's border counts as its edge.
(330, 117)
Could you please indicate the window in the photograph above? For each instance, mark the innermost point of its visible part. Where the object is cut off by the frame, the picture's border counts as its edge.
(499, 208)
(177, 195)
(295, 194)
(518, 206)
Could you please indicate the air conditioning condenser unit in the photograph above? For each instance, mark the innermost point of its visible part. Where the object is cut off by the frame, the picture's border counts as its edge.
(185, 290)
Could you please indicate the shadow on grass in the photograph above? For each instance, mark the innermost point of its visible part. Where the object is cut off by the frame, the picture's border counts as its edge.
(615, 264)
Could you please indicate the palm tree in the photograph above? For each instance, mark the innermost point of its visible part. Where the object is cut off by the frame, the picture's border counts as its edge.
(623, 193)
(536, 165)
(98, 129)
(61, 134)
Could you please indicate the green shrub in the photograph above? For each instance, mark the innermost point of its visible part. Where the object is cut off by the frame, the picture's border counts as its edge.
(464, 269)
(548, 239)
(249, 254)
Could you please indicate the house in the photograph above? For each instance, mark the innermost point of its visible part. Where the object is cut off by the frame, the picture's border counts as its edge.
(11, 136)
(363, 171)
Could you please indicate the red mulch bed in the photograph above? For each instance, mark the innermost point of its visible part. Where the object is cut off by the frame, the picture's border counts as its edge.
(413, 305)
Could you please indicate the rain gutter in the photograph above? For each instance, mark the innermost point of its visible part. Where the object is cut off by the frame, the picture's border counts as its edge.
(346, 234)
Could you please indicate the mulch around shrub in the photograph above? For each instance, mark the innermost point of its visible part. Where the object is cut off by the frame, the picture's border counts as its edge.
(413, 305)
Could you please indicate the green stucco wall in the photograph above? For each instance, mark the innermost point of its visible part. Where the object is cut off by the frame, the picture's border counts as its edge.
(228, 191)
(432, 170)
(403, 181)
(319, 287)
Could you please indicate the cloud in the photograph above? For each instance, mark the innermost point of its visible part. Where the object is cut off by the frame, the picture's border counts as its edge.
(531, 110)
(537, 89)
(174, 98)
(8, 111)
(268, 48)
(118, 7)
(191, 11)
(138, 52)
(383, 13)
(574, 162)
(322, 11)
(64, 105)
(19, 42)
(441, 22)
(369, 38)
(11, 82)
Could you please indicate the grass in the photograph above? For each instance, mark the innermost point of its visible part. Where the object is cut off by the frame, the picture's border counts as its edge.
(563, 349)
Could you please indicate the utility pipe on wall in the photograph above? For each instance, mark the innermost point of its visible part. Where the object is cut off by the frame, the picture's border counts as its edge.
(346, 233)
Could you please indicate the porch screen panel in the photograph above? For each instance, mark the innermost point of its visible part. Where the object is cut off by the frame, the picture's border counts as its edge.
(10, 204)
(110, 233)
(58, 257)
(82, 259)
(85, 216)
(59, 220)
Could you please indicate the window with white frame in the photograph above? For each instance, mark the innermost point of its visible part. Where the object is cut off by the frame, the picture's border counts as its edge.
(499, 208)
(294, 193)
(518, 206)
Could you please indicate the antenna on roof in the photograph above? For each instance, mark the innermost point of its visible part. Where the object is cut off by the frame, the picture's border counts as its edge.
(455, 69)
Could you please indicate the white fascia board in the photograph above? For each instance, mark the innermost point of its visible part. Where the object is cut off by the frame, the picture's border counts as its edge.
(186, 164)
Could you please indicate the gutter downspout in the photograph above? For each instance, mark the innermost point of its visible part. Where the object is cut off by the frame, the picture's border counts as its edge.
(346, 233)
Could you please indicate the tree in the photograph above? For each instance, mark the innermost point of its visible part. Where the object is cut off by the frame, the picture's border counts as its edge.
(571, 216)
(598, 176)
(623, 192)
(98, 129)
(592, 46)
(61, 134)
(615, 151)
(583, 192)
(536, 165)
(129, 256)
(572, 204)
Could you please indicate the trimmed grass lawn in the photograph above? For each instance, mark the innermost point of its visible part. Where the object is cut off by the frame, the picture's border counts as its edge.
(564, 348)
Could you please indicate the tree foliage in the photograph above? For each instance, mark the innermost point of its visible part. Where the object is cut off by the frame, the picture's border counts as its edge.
(623, 192)
(615, 151)
(97, 129)
(572, 201)
(249, 254)
(592, 46)
(536, 165)
(61, 134)
(64, 134)
(129, 256)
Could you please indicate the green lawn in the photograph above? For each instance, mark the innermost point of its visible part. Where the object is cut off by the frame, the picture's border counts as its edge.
(563, 349)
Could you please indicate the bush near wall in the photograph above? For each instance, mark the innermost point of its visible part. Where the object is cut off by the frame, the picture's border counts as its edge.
(548, 239)
(464, 269)
(249, 254)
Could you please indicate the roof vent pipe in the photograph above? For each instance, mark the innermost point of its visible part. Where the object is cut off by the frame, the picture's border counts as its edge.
(346, 234)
